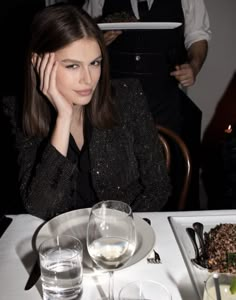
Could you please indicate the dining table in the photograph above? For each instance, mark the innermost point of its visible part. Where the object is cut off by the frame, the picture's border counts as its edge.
(17, 258)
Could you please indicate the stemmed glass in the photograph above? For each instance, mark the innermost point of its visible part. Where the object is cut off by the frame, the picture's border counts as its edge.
(111, 236)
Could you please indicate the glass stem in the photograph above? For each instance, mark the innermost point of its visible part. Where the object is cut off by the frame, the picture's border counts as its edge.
(111, 286)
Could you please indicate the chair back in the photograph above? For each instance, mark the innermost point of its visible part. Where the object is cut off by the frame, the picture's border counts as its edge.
(168, 137)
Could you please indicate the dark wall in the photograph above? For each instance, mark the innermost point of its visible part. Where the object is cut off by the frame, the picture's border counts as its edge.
(15, 17)
(219, 153)
(10, 200)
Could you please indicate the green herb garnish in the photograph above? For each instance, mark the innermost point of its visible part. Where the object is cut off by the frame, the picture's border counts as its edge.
(231, 259)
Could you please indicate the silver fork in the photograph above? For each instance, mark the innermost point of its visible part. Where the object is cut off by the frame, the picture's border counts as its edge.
(153, 257)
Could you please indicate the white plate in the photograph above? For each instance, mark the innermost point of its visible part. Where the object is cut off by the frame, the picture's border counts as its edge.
(75, 223)
(138, 25)
(179, 225)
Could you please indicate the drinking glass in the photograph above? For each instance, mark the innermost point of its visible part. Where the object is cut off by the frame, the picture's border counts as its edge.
(141, 290)
(225, 282)
(111, 236)
(61, 267)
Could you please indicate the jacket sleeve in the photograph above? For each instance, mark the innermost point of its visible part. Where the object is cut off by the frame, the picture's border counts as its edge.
(44, 175)
(152, 168)
(44, 178)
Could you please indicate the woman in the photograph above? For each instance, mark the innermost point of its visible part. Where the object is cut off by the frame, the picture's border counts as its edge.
(79, 145)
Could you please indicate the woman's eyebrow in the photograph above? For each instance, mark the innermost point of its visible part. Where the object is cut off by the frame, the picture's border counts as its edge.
(75, 61)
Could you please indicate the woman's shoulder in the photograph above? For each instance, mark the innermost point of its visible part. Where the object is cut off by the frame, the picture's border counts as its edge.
(128, 94)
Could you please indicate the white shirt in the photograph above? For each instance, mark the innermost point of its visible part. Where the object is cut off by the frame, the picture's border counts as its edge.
(197, 25)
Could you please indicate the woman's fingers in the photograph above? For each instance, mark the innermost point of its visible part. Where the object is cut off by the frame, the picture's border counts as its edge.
(52, 89)
(44, 66)
(52, 78)
(45, 72)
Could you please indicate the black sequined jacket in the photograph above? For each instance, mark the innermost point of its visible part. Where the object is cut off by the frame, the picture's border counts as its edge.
(126, 163)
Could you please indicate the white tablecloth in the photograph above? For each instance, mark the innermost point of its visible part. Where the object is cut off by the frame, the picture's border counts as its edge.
(17, 259)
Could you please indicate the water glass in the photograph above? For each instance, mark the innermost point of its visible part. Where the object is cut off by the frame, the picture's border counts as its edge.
(142, 290)
(61, 268)
(224, 283)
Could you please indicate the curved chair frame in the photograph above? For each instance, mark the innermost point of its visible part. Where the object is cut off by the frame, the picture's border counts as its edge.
(163, 131)
(166, 149)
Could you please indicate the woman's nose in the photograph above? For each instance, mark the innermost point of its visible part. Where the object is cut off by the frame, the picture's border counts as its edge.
(86, 76)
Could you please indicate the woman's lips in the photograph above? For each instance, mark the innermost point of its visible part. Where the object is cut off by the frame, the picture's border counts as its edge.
(84, 92)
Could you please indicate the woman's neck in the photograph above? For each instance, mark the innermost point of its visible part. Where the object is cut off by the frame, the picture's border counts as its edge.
(77, 126)
(78, 114)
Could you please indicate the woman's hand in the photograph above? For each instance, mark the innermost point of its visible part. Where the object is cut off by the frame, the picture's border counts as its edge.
(46, 67)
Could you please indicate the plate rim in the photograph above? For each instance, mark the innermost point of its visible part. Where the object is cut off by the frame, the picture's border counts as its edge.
(138, 25)
(142, 226)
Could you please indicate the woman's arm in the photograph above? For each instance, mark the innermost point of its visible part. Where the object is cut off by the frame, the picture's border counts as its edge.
(44, 173)
(44, 177)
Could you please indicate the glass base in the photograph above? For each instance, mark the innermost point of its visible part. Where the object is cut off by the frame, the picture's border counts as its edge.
(66, 295)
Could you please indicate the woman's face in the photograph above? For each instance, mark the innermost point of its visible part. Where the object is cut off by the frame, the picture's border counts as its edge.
(79, 70)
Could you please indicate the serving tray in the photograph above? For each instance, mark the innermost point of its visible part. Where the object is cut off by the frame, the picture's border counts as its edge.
(179, 225)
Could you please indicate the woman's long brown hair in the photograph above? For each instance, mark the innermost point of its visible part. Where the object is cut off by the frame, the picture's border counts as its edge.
(54, 28)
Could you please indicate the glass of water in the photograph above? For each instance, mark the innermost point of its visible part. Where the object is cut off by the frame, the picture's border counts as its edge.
(61, 267)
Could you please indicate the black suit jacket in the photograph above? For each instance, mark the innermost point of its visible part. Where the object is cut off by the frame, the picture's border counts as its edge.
(126, 162)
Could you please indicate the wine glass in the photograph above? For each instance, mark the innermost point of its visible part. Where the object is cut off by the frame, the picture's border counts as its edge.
(111, 236)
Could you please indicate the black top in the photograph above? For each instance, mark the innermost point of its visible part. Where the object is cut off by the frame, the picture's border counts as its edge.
(83, 191)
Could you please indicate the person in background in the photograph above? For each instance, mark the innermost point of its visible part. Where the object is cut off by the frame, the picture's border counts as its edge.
(183, 49)
(79, 139)
(165, 61)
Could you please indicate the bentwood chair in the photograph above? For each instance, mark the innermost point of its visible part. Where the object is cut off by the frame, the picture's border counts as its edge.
(168, 138)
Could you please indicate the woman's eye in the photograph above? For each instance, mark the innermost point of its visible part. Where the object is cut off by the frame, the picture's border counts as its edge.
(74, 66)
(96, 63)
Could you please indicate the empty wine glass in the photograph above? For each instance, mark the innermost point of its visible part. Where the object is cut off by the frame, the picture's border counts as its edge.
(111, 236)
